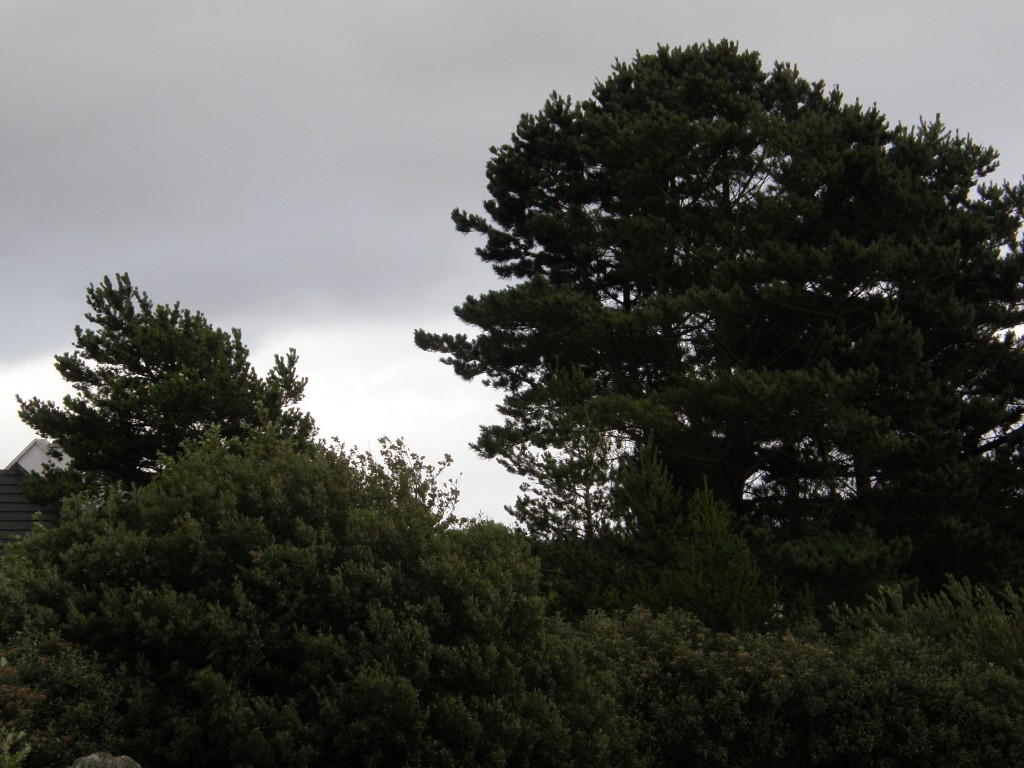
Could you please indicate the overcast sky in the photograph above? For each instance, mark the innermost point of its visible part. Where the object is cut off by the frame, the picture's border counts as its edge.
(289, 167)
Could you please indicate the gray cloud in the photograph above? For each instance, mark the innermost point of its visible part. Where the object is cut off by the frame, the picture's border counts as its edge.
(293, 165)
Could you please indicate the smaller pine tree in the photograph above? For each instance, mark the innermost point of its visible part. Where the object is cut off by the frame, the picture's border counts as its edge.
(699, 561)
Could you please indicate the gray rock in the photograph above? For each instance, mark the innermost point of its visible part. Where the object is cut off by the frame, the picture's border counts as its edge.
(104, 760)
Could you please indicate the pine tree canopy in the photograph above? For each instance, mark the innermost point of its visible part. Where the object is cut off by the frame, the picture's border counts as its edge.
(149, 377)
(782, 293)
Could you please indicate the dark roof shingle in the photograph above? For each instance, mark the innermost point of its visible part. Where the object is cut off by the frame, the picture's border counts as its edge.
(16, 514)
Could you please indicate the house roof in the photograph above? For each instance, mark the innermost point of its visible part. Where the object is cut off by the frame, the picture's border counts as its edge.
(17, 515)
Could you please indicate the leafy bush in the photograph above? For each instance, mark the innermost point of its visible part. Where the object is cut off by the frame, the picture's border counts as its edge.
(12, 751)
(969, 623)
(56, 696)
(257, 605)
(691, 696)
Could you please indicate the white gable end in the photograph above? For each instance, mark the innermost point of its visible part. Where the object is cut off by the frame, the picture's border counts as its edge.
(33, 457)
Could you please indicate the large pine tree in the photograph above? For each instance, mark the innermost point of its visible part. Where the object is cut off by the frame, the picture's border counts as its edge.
(780, 292)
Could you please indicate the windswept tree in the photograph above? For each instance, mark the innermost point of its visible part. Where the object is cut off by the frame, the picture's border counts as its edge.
(149, 377)
(780, 292)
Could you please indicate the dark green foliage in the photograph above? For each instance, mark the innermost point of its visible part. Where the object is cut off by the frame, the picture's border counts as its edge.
(711, 571)
(13, 748)
(695, 697)
(567, 493)
(149, 377)
(57, 695)
(690, 556)
(261, 606)
(786, 296)
(968, 622)
(664, 554)
(255, 605)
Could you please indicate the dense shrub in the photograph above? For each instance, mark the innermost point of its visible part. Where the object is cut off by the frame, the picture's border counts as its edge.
(691, 696)
(255, 605)
(56, 696)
